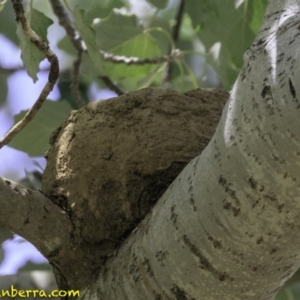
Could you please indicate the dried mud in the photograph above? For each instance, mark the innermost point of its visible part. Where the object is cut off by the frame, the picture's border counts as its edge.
(111, 160)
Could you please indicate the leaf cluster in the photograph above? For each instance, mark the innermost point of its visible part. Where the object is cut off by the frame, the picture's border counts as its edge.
(212, 39)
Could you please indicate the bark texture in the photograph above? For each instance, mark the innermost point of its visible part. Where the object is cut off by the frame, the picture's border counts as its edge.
(228, 226)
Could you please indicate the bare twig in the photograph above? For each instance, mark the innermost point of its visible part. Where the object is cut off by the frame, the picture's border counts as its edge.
(118, 59)
(175, 34)
(52, 77)
(75, 81)
(111, 85)
(65, 22)
(79, 44)
(176, 28)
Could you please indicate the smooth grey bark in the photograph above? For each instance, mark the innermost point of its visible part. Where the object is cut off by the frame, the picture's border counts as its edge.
(32, 215)
(228, 226)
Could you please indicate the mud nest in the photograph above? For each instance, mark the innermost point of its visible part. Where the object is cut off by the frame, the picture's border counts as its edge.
(110, 161)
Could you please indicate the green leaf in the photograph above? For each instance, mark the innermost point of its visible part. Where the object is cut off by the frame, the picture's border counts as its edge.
(109, 34)
(285, 294)
(258, 14)
(233, 26)
(89, 36)
(65, 91)
(100, 9)
(39, 23)
(2, 4)
(162, 33)
(158, 3)
(141, 46)
(131, 41)
(66, 45)
(95, 8)
(34, 138)
(30, 55)
(8, 23)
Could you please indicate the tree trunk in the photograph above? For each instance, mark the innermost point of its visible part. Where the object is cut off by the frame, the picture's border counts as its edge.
(226, 228)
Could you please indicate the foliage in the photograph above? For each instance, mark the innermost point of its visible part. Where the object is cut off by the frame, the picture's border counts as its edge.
(31, 56)
(213, 33)
(135, 50)
(34, 139)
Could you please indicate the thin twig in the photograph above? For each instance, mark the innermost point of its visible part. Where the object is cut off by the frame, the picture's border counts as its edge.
(118, 59)
(79, 44)
(179, 16)
(65, 22)
(75, 81)
(52, 77)
(175, 34)
(111, 85)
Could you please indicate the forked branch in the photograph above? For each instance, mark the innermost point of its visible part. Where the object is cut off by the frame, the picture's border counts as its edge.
(52, 77)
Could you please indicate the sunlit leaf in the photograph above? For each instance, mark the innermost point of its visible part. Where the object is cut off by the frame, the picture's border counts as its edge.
(109, 35)
(228, 26)
(39, 23)
(89, 36)
(2, 4)
(132, 41)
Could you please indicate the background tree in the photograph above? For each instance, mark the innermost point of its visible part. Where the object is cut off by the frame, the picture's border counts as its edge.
(146, 53)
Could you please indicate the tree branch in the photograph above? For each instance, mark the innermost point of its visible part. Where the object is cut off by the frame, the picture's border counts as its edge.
(230, 219)
(79, 44)
(75, 81)
(111, 85)
(33, 216)
(52, 77)
(177, 26)
(46, 225)
(175, 34)
(120, 59)
(65, 22)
